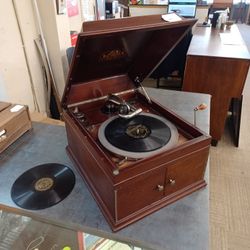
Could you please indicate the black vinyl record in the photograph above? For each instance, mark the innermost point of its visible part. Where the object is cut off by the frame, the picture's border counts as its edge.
(139, 134)
(43, 186)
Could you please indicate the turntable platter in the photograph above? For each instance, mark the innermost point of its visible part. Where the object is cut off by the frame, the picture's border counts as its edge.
(141, 136)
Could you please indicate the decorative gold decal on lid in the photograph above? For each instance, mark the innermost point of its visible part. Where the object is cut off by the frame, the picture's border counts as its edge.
(44, 184)
(112, 55)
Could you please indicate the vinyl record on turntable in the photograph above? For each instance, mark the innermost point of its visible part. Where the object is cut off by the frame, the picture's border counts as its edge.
(43, 186)
(141, 136)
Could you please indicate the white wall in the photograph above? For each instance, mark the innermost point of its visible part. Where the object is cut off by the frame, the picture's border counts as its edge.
(75, 22)
(57, 37)
(15, 84)
(138, 10)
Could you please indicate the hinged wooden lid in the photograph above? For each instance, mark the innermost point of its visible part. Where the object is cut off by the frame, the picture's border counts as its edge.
(132, 46)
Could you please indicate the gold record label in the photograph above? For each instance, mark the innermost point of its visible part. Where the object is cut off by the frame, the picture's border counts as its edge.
(137, 131)
(44, 184)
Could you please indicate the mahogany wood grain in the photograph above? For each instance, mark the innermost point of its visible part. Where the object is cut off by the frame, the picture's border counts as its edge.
(185, 172)
(89, 168)
(140, 192)
(217, 69)
(110, 48)
(94, 89)
(136, 195)
(94, 117)
(120, 196)
(139, 22)
(134, 45)
(207, 41)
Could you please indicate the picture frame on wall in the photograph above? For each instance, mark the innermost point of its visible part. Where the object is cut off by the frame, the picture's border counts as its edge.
(61, 6)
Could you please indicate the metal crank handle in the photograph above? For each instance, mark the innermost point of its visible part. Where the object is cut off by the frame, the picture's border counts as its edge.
(202, 106)
(132, 114)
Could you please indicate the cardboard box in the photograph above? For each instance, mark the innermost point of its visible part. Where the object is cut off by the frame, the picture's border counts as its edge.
(14, 122)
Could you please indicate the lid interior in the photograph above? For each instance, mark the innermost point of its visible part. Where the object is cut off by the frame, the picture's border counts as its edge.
(134, 52)
(126, 47)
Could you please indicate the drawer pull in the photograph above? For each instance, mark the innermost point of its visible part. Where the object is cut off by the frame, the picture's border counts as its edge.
(171, 182)
(160, 188)
(3, 135)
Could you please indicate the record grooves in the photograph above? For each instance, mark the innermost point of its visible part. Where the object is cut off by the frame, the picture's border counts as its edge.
(141, 136)
(43, 186)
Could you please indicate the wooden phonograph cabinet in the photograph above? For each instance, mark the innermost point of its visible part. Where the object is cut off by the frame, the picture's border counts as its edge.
(135, 155)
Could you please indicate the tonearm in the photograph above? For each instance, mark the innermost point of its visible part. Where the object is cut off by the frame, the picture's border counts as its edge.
(126, 110)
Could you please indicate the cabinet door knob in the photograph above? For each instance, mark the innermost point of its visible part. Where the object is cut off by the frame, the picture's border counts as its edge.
(160, 188)
(171, 182)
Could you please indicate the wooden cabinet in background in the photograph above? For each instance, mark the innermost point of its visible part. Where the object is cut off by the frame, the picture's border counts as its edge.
(218, 68)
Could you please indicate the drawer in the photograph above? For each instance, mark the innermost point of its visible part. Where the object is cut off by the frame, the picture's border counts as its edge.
(186, 171)
(141, 192)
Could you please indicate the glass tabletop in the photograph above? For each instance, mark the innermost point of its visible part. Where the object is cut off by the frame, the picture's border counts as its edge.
(19, 232)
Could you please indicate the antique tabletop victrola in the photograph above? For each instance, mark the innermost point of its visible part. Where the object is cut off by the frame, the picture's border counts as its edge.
(111, 59)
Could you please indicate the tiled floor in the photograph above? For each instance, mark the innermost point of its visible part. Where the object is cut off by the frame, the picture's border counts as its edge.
(230, 182)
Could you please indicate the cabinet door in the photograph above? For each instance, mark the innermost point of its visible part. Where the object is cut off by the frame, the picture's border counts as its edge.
(141, 192)
(185, 171)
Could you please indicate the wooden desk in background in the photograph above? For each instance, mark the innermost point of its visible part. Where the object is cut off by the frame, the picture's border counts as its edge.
(216, 67)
